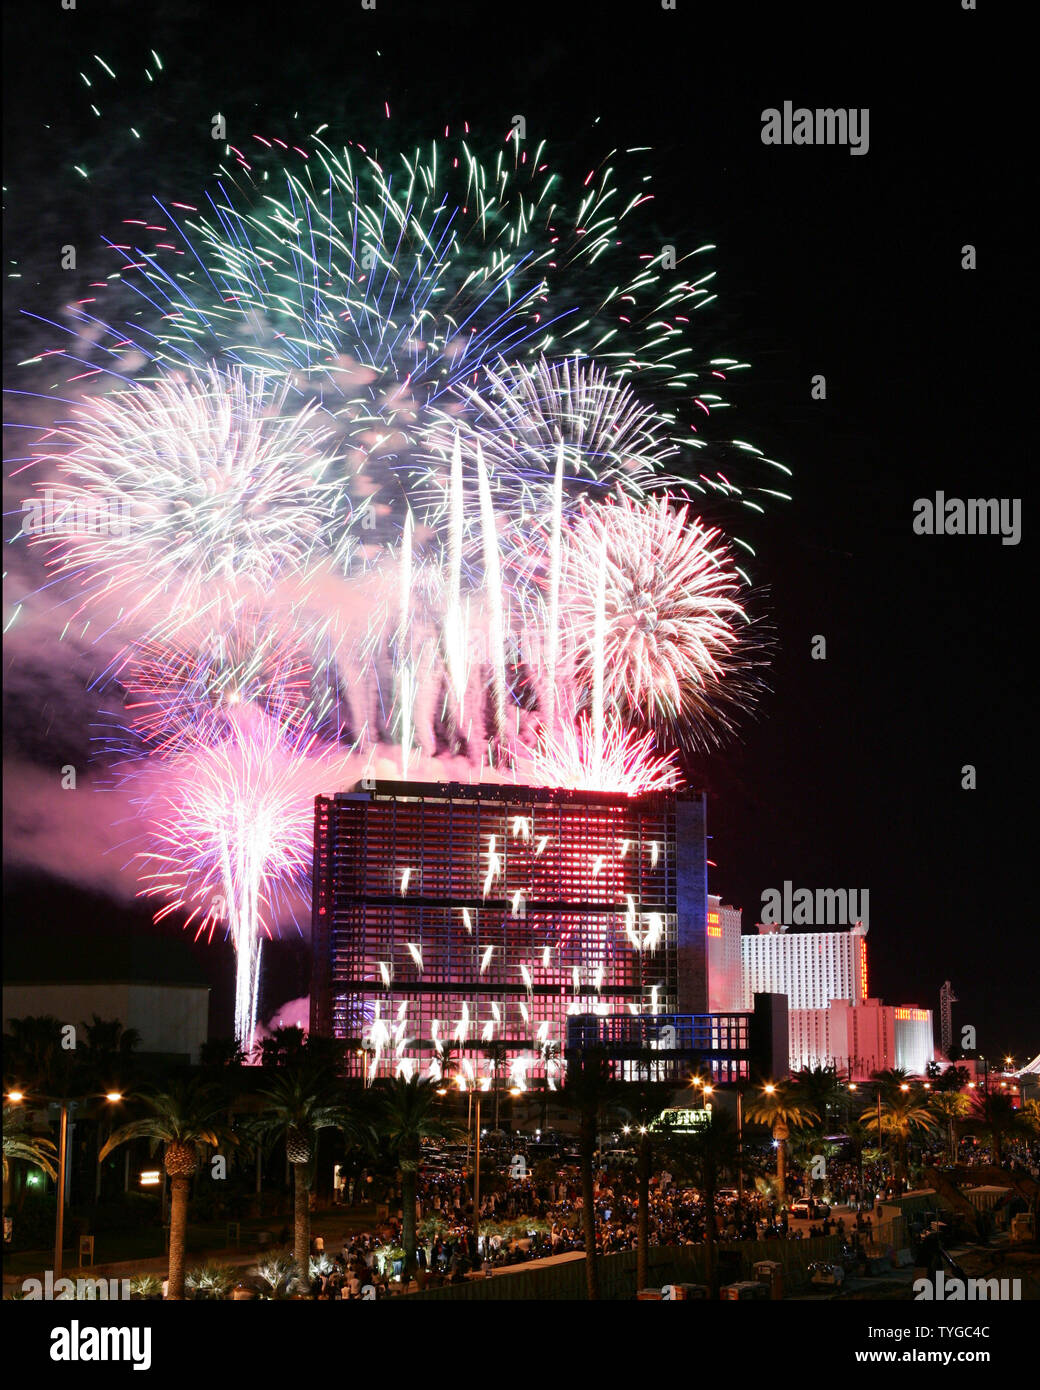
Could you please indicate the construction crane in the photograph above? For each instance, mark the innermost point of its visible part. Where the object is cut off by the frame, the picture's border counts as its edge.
(947, 999)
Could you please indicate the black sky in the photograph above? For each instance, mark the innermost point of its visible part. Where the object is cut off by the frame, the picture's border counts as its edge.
(827, 263)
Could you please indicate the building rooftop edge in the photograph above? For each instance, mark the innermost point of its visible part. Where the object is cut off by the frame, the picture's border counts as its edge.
(377, 789)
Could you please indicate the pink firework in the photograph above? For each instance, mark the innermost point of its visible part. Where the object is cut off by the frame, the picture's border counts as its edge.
(231, 826)
(659, 591)
(621, 761)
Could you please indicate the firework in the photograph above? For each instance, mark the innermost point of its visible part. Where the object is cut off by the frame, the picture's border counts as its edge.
(661, 591)
(185, 688)
(524, 418)
(231, 836)
(618, 760)
(222, 496)
(420, 506)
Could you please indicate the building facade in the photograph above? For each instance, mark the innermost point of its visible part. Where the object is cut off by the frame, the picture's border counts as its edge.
(725, 976)
(811, 968)
(474, 921)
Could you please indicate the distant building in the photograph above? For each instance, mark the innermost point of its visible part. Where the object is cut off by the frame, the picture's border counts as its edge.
(725, 980)
(150, 984)
(810, 967)
(171, 1019)
(832, 1019)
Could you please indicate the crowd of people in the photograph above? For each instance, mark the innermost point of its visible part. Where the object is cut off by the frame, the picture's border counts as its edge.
(525, 1217)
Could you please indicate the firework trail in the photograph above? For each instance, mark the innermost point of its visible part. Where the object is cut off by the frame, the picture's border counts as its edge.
(670, 619)
(616, 759)
(221, 492)
(231, 836)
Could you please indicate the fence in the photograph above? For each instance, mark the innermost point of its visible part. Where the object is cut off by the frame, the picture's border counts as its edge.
(667, 1265)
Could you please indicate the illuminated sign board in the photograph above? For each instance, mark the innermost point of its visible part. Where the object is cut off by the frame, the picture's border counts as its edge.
(917, 1015)
(862, 968)
(677, 1120)
(713, 924)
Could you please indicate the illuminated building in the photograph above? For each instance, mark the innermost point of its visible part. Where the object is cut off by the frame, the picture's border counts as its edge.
(832, 1019)
(482, 918)
(811, 968)
(725, 985)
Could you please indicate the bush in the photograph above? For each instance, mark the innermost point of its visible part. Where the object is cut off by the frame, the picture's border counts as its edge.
(275, 1276)
(146, 1286)
(210, 1280)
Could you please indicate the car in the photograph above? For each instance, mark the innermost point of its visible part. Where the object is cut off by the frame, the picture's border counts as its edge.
(808, 1208)
(826, 1275)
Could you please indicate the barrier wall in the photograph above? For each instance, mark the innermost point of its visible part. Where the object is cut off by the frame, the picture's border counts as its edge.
(667, 1265)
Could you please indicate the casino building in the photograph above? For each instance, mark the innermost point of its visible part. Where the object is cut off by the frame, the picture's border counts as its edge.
(506, 926)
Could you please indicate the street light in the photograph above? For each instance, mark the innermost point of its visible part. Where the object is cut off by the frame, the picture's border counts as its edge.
(66, 1103)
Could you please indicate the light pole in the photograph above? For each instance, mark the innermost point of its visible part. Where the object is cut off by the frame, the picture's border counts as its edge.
(66, 1103)
(59, 1225)
(740, 1146)
(476, 1179)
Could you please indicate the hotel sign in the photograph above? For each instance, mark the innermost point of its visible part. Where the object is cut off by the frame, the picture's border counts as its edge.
(677, 1120)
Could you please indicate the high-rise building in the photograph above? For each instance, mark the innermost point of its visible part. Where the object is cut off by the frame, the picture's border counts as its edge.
(810, 967)
(832, 1020)
(725, 980)
(481, 918)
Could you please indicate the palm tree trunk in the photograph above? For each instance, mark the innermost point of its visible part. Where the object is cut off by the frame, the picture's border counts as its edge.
(781, 1170)
(643, 1215)
(179, 1188)
(408, 1185)
(588, 1204)
(301, 1220)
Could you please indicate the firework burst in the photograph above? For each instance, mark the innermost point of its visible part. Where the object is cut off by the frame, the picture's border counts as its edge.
(618, 760)
(220, 496)
(231, 836)
(662, 592)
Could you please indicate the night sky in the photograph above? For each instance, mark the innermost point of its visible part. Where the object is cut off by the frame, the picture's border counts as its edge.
(830, 263)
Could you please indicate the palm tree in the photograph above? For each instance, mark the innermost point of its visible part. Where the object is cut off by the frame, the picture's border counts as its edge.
(406, 1113)
(19, 1144)
(821, 1089)
(186, 1121)
(706, 1156)
(641, 1103)
(104, 1036)
(952, 1078)
(37, 1055)
(996, 1117)
(950, 1106)
(782, 1109)
(589, 1089)
(302, 1099)
(106, 1063)
(808, 1146)
(903, 1112)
